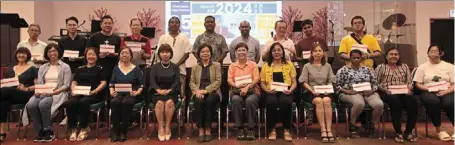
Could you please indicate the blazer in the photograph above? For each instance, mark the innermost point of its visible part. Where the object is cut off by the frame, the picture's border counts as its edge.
(215, 78)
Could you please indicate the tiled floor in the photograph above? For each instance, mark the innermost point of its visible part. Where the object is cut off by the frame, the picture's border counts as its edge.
(313, 138)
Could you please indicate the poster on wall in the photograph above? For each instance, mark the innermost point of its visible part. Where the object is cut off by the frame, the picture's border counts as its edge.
(261, 15)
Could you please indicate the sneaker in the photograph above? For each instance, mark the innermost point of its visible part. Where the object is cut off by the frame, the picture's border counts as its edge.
(240, 134)
(250, 135)
(48, 136)
(38, 137)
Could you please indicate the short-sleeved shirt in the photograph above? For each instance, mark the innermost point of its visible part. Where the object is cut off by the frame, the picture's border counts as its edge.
(287, 69)
(134, 77)
(37, 48)
(287, 44)
(89, 76)
(347, 76)
(253, 48)
(109, 62)
(317, 75)
(427, 72)
(388, 77)
(180, 45)
(77, 44)
(235, 70)
(145, 45)
(27, 78)
(217, 41)
(368, 40)
(165, 77)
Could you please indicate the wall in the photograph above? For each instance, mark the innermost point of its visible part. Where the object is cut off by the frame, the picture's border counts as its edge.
(25, 9)
(425, 11)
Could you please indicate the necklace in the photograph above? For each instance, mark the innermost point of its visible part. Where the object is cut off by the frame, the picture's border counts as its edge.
(165, 66)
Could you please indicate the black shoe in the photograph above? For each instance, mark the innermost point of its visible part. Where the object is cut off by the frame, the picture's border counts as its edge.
(201, 139)
(208, 138)
(353, 129)
(38, 137)
(250, 135)
(241, 134)
(114, 137)
(48, 136)
(122, 137)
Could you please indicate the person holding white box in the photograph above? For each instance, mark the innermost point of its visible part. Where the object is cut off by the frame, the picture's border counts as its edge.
(318, 79)
(243, 77)
(125, 87)
(394, 84)
(351, 76)
(434, 80)
(278, 80)
(42, 106)
(92, 77)
(25, 76)
(140, 45)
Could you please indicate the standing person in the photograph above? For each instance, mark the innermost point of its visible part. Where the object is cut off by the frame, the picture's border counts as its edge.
(306, 44)
(315, 73)
(436, 70)
(35, 45)
(278, 69)
(393, 73)
(139, 57)
(164, 84)
(27, 76)
(73, 42)
(205, 84)
(79, 105)
(215, 40)
(254, 49)
(244, 95)
(359, 36)
(288, 44)
(106, 38)
(180, 49)
(122, 102)
(42, 106)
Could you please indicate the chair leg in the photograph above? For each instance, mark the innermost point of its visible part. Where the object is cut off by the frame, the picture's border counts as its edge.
(19, 124)
(426, 126)
(227, 123)
(147, 121)
(8, 116)
(179, 123)
(141, 131)
(265, 124)
(219, 123)
(336, 123)
(259, 123)
(109, 120)
(97, 123)
(305, 115)
(298, 121)
(190, 127)
(347, 124)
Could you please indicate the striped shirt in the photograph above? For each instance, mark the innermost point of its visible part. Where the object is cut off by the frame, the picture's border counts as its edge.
(388, 77)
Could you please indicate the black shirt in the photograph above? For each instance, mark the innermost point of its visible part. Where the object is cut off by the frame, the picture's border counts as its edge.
(89, 76)
(26, 78)
(79, 43)
(165, 78)
(109, 62)
(205, 76)
(134, 77)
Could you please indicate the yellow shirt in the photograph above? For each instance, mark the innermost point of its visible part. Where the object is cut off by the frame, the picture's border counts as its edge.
(288, 70)
(368, 40)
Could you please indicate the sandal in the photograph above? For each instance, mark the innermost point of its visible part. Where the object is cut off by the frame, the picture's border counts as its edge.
(272, 136)
(399, 138)
(444, 136)
(73, 135)
(411, 138)
(83, 134)
(287, 136)
(330, 137)
(324, 137)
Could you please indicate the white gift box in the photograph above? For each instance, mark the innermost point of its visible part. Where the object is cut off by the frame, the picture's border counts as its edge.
(278, 86)
(361, 47)
(10, 82)
(107, 48)
(324, 89)
(71, 53)
(44, 88)
(362, 87)
(123, 87)
(437, 86)
(399, 89)
(135, 47)
(243, 80)
(82, 90)
(306, 54)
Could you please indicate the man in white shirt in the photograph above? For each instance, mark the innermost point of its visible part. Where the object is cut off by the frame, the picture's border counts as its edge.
(180, 46)
(288, 44)
(35, 45)
(253, 43)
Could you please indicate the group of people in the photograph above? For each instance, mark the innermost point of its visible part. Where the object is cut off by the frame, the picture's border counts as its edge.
(119, 74)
